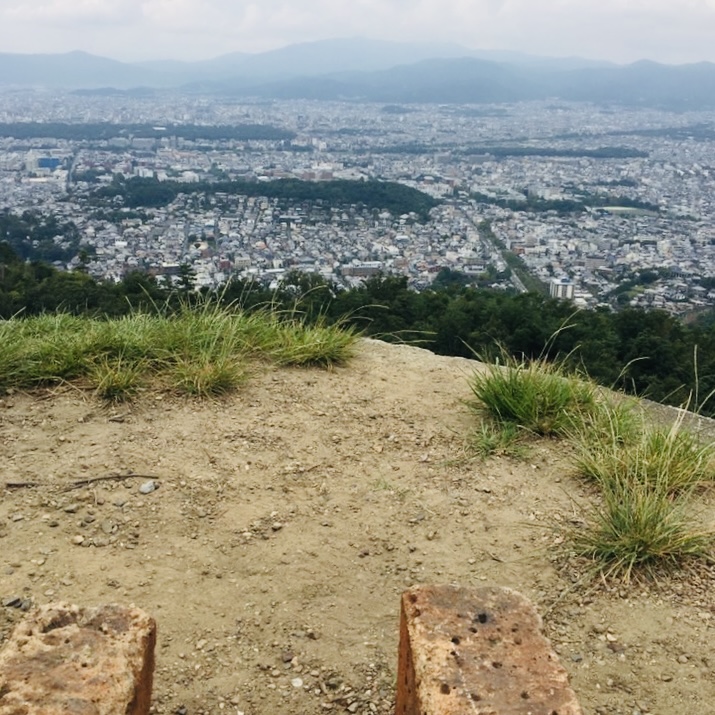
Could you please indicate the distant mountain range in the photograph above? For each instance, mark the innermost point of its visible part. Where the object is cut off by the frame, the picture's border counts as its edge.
(377, 71)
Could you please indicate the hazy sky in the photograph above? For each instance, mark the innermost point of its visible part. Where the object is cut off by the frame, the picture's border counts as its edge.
(619, 30)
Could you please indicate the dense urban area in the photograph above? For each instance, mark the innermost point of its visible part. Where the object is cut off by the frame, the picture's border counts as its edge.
(600, 205)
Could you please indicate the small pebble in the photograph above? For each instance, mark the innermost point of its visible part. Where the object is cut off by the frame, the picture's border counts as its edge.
(148, 487)
(297, 682)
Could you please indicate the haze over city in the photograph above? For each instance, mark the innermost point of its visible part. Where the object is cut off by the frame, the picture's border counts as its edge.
(619, 31)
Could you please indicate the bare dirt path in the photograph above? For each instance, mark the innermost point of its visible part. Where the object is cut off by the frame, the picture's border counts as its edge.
(289, 518)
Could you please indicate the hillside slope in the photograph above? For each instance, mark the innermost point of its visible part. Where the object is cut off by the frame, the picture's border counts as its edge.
(289, 518)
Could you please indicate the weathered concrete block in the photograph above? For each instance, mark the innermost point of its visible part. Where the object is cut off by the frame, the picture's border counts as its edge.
(65, 660)
(477, 651)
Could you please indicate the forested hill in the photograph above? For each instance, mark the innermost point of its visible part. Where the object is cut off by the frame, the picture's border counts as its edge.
(651, 354)
(137, 192)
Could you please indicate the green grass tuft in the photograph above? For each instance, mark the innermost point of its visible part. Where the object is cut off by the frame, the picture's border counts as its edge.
(671, 457)
(200, 350)
(641, 528)
(647, 475)
(207, 376)
(539, 396)
(116, 380)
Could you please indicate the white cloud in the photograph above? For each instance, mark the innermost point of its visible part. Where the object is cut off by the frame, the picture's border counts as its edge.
(676, 30)
(71, 12)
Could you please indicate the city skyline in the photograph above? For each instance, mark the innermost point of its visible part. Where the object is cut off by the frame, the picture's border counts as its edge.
(620, 31)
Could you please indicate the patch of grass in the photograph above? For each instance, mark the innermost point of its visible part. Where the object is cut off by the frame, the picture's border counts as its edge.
(201, 350)
(290, 340)
(647, 475)
(117, 380)
(640, 527)
(672, 457)
(539, 396)
(206, 376)
(499, 440)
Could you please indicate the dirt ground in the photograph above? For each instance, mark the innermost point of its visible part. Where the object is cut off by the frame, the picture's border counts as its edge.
(289, 518)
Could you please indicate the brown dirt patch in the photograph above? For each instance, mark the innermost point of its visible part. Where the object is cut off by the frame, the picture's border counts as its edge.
(291, 516)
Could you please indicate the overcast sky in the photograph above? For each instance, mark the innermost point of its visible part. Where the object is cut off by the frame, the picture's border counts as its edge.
(671, 31)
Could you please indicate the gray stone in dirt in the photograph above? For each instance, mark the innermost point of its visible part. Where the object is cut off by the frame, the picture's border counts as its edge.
(12, 602)
(71, 508)
(149, 487)
(120, 501)
(26, 604)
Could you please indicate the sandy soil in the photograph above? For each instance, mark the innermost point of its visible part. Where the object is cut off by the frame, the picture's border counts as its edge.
(289, 518)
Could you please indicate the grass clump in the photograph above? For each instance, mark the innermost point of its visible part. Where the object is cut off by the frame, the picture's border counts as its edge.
(647, 474)
(117, 380)
(289, 340)
(200, 350)
(671, 457)
(538, 396)
(206, 375)
(641, 528)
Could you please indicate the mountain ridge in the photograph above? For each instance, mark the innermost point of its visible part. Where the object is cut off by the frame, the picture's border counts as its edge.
(378, 71)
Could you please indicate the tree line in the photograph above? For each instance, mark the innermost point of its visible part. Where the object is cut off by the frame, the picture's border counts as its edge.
(99, 131)
(136, 192)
